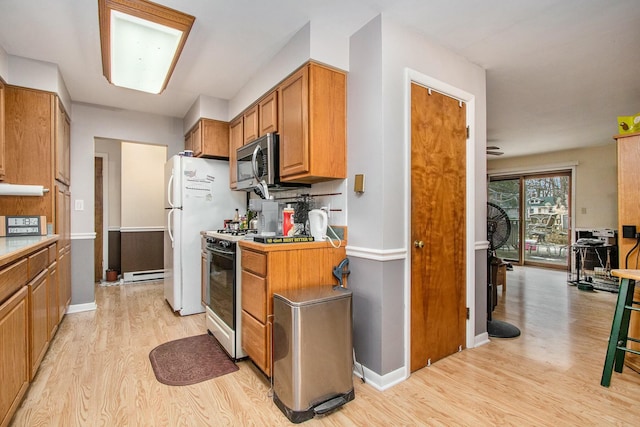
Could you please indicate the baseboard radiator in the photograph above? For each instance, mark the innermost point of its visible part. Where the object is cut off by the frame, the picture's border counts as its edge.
(137, 276)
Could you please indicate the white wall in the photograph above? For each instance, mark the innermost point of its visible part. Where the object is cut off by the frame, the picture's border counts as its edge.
(38, 75)
(206, 107)
(596, 184)
(143, 195)
(90, 122)
(111, 148)
(4, 64)
(380, 53)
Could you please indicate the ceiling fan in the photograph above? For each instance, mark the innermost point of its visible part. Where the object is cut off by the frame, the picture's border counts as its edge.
(492, 150)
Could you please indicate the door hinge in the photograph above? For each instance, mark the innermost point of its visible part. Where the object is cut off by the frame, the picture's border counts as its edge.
(468, 313)
(467, 132)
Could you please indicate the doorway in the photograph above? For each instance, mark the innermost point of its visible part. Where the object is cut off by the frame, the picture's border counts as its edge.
(539, 209)
(438, 226)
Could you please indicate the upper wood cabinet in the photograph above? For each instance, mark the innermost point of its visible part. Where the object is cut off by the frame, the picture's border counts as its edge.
(1, 130)
(63, 144)
(236, 140)
(312, 125)
(208, 138)
(268, 114)
(250, 124)
(30, 149)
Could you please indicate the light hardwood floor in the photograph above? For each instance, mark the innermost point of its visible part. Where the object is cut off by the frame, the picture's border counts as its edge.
(97, 371)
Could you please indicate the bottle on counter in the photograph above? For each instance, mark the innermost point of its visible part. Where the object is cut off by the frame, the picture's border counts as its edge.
(236, 216)
(287, 221)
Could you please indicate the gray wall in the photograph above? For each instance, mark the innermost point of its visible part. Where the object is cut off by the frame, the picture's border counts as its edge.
(378, 220)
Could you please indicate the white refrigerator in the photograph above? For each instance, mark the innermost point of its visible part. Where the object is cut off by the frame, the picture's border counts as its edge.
(197, 198)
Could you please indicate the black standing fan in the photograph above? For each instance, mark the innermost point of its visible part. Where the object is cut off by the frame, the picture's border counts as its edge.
(498, 231)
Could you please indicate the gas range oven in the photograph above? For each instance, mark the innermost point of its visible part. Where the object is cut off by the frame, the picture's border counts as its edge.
(222, 289)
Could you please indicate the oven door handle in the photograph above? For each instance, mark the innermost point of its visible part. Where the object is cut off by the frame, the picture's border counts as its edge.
(220, 252)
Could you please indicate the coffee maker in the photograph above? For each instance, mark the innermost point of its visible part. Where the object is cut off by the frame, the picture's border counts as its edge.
(267, 216)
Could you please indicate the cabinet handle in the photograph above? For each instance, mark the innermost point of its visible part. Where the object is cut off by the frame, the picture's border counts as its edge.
(418, 244)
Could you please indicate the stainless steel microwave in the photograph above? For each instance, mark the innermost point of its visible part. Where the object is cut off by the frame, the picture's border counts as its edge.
(258, 161)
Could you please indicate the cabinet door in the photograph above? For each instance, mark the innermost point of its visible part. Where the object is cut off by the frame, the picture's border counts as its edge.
(196, 140)
(29, 133)
(236, 139)
(250, 120)
(268, 114)
(14, 353)
(204, 273)
(62, 144)
(1, 130)
(52, 297)
(38, 321)
(188, 141)
(215, 138)
(293, 95)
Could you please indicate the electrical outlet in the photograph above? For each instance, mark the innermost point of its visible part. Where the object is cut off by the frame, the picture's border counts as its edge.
(79, 205)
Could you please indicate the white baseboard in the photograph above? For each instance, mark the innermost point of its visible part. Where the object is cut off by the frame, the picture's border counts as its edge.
(79, 308)
(481, 339)
(377, 381)
(134, 276)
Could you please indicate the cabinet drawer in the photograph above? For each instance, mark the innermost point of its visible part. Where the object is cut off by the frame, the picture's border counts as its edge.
(255, 262)
(255, 341)
(53, 253)
(254, 295)
(12, 278)
(38, 262)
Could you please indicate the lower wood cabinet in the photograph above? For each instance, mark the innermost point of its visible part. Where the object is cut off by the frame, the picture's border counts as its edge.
(38, 325)
(269, 269)
(29, 317)
(14, 364)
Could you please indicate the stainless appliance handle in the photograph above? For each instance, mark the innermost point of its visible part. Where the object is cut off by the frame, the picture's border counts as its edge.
(254, 165)
(220, 252)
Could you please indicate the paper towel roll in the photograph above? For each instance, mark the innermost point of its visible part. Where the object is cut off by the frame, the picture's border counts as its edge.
(21, 190)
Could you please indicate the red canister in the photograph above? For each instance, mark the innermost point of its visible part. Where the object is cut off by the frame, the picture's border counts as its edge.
(287, 221)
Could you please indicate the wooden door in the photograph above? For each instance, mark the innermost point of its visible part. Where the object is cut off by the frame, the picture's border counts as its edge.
(99, 220)
(438, 234)
(293, 99)
(235, 142)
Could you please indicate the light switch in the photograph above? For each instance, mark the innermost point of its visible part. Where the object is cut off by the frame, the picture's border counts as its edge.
(79, 205)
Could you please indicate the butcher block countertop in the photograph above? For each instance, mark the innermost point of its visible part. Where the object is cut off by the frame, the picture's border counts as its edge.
(277, 247)
(13, 248)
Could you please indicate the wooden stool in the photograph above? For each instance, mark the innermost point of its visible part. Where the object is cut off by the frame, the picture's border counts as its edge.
(620, 327)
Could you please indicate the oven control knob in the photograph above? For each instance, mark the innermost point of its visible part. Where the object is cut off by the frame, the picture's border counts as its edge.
(225, 244)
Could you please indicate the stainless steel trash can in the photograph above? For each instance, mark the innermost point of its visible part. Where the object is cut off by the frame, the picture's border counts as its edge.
(312, 351)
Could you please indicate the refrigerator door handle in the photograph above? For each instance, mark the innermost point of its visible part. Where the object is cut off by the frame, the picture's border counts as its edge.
(169, 186)
(169, 226)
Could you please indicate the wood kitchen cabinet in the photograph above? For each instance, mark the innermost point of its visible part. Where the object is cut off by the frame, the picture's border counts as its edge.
(208, 138)
(628, 153)
(312, 125)
(14, 353)
(250, 130)
(24, 315)
(37, 132)
(62, 144)
(268, 114)
(236, 140)
(269, 269)
(1, 130)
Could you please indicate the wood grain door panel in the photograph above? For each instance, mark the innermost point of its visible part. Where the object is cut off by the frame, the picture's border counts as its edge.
(438, 200)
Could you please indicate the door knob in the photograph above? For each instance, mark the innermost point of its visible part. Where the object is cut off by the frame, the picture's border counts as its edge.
(418, 244)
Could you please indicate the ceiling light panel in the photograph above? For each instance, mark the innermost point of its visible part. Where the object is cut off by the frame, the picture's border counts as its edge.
(141, 42)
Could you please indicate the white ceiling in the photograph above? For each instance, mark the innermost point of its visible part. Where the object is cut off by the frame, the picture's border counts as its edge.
(559, 72)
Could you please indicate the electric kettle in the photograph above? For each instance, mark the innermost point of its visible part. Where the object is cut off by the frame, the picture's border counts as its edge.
(318, 224)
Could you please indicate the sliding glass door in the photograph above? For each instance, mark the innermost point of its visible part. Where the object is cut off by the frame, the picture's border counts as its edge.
(538, 207)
